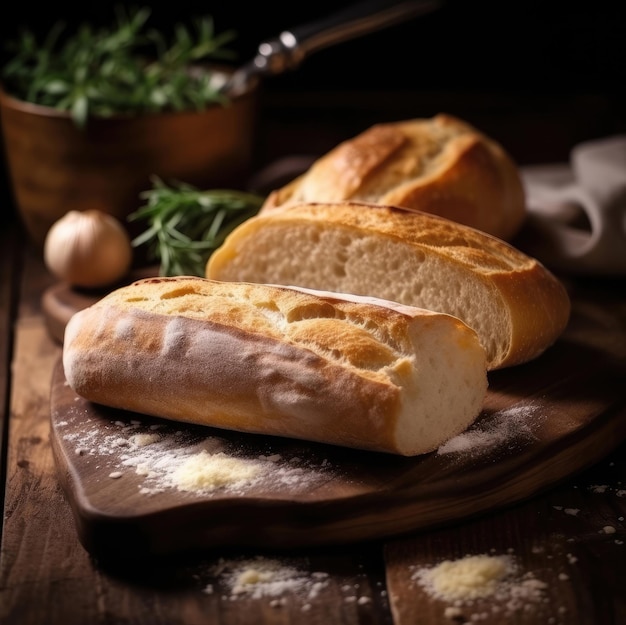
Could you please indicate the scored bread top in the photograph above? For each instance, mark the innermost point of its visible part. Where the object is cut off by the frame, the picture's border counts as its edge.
(369, 336)
(517, 307)
(442, 166)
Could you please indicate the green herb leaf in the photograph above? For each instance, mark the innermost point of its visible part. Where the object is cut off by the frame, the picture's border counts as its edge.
(106, 72)
(185, 225)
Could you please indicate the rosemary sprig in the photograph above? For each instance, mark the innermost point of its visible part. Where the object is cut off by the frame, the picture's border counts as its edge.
(125, 68)
(185, 224)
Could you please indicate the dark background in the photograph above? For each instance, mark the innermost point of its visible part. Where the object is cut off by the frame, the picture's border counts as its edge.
(466, 44)
(539, 76)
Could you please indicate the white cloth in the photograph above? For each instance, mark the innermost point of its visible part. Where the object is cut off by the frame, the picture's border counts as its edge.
(577, 211)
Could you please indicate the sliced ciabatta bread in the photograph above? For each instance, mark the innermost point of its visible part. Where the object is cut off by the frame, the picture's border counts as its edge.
(357, 372)
(517, 307)
(441, 165)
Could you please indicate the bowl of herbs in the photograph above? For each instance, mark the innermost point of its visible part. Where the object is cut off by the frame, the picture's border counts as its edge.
(90, 117)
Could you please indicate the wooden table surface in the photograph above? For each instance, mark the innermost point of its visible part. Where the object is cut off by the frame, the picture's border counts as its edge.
(571, 539)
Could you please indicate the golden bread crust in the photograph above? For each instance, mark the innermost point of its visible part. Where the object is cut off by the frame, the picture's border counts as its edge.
(442, 166)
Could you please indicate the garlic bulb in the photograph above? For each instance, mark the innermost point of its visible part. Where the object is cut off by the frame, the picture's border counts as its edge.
(88, 249)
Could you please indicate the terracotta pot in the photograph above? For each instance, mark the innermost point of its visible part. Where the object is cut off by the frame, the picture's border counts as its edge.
(55, 167)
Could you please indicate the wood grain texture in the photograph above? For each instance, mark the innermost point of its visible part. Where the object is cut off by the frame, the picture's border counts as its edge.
(9, 274)
(37, 524)
(541, 423)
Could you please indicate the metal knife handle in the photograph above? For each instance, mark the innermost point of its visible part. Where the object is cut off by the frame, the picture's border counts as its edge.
(291, 47)
(354, 21)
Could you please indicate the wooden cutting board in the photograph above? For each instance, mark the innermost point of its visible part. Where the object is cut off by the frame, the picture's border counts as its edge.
(541, 423)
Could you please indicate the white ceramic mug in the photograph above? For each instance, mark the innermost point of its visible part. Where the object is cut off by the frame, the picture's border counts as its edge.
(594, 186)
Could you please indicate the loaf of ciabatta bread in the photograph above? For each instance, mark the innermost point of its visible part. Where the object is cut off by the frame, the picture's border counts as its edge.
(441, 165)
(349, 371)
(517, 307)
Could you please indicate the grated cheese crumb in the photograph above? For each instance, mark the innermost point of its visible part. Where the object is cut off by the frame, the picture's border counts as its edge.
(204, 471)
(141, 440)
(453, 612)
(261, 577)
(468, 578)
(167, 458)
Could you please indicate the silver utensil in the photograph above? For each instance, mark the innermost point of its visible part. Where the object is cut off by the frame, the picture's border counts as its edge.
(287, 51)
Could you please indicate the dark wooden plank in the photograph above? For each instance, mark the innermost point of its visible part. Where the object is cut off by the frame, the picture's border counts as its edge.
(34, 509)
(10, 240)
